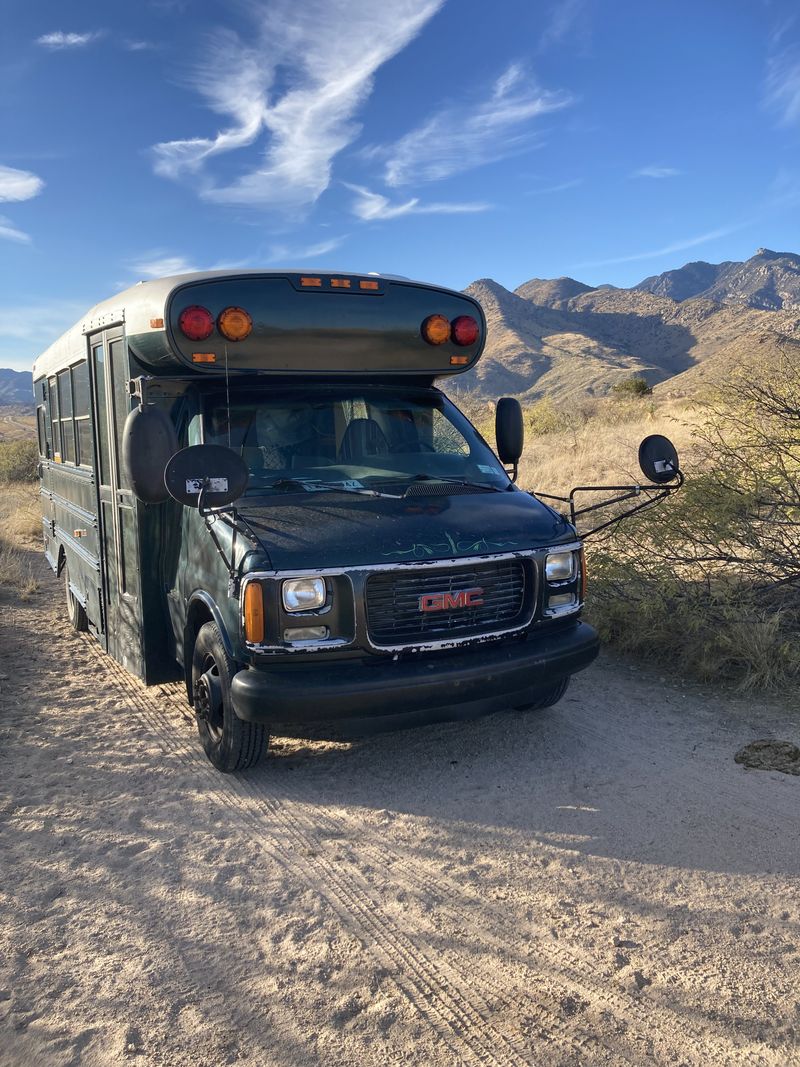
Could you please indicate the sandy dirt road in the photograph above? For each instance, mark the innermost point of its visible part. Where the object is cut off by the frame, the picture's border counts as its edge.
(595, 884)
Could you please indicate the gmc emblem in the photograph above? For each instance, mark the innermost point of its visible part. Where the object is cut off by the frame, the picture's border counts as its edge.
(464, 598)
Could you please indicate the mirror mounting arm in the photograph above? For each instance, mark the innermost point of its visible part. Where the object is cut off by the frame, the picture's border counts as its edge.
(661, 493)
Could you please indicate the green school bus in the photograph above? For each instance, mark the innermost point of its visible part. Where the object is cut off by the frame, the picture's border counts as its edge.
(251, 481)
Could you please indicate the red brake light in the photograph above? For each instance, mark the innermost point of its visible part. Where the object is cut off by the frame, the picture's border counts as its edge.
(196, 323)
(465, 330)
(436, 330)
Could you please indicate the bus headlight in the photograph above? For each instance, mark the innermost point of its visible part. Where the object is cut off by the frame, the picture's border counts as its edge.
(303, 594)
(560, 566)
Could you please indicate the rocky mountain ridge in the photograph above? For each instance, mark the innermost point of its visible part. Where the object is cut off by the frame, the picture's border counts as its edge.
(564, 339)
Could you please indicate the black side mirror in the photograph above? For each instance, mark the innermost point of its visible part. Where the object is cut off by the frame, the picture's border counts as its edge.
(148, 442)
(206, 476)
(658, 459)
(509, 431)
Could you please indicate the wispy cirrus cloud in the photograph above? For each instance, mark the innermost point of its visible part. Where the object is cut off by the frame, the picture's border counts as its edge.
(462, 136)
(297, 84)
(9, 232)
(655, 171)
(559, 187)
(288, 254)
(371, 207)
(159, 265)
(677, 246)
(782, 82)
(565, 16)
(59, 41)
(19, 184)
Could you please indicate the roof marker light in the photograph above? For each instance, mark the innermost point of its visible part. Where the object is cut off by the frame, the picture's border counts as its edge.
(316, 283)
(436, 330)
(368, 285)
(340, 283)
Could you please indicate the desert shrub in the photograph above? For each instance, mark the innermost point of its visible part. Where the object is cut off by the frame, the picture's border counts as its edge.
(710, 579)
(19, 461)
(544, 417)
(634, 386)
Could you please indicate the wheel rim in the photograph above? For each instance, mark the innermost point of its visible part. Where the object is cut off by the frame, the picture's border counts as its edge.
(208, 699)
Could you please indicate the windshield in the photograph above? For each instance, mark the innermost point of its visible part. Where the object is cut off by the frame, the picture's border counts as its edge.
(353, 438)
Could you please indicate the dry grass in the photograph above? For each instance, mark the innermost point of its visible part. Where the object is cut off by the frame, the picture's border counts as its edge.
(601, 445)
(20, 531)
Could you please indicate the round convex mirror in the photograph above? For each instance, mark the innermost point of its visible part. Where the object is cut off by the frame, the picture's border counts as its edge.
(658, 459)
(222, 471)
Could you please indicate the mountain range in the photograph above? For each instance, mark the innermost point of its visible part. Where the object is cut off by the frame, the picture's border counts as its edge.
(680, 330)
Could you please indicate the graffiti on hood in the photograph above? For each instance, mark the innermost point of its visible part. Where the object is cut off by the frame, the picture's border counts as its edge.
(451, 546)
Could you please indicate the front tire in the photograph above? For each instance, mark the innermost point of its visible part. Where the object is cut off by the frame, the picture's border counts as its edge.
(76, 613)
(230, 743)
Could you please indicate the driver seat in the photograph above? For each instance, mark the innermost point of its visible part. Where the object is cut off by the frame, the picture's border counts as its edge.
(362, 438)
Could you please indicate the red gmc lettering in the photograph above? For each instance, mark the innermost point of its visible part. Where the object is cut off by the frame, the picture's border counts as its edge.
(464, 598)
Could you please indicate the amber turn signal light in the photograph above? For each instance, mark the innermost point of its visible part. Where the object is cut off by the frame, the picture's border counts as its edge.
(436, 329)
(254, 613)
(235, 324)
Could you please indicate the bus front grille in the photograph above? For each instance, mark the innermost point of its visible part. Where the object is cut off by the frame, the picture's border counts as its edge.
(412, 606)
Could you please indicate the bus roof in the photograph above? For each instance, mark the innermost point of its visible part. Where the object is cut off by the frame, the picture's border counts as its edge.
(341, 323)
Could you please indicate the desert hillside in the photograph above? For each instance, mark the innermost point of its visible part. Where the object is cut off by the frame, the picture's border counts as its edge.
(561, 338)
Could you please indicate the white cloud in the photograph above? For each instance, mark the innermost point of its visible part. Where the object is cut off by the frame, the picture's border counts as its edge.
(462, 136)
(9, 232)
(678, 246)
(39, 321)
(782, 85)
(369, 206)
(565, 15)
(559, 188)
(138, 46)
(299, 80)
(19, 184)
(159, 265)
(654, 171)
(59, 40)
(286, 254)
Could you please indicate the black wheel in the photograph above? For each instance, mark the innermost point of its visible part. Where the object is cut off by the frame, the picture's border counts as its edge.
(547, 697)
(76, 613)
(230, 744)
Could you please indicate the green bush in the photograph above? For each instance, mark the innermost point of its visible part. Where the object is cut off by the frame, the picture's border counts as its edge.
(19, 461)
(635, 386)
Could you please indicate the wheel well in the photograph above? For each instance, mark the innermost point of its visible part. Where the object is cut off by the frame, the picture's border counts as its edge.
(199, 615)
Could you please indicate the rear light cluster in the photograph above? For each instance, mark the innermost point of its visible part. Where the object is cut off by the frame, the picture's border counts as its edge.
(462, 331)
(197, 323)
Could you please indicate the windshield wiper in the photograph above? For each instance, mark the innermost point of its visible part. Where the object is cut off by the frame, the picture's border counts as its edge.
(451, 480)
(311, 485)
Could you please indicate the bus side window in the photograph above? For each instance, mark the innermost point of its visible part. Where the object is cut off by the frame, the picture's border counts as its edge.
(65, 410)
(52, 391)
(80, 405)
(41, 431)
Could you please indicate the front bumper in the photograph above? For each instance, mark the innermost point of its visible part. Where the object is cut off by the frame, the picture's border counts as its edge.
(436, 685)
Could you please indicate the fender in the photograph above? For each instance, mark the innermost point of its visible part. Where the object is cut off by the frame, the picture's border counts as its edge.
(200, 596)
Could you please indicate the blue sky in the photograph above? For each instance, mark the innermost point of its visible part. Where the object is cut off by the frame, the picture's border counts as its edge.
(446, 140)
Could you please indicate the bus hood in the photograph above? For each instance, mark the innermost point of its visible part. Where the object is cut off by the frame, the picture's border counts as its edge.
(323, 530)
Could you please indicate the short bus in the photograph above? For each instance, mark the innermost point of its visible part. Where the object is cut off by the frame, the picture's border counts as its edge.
(252, 481)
